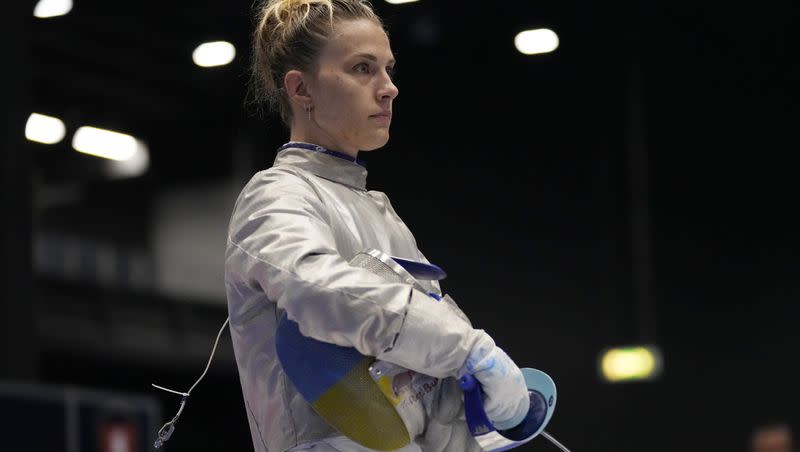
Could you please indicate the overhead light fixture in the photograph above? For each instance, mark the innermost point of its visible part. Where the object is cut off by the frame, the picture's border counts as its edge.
(632, 363)
(135, 166)
(400, 2)
(52, 8)
(217, 53)
(541, 40)
(105, 143)
(44, 129)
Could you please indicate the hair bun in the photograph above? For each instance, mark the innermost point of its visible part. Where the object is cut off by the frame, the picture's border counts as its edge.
(288, 12)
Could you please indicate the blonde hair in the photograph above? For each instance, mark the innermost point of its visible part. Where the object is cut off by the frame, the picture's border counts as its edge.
(289, 35)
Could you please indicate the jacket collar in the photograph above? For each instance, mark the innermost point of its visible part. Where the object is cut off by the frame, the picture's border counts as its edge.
(324, 163)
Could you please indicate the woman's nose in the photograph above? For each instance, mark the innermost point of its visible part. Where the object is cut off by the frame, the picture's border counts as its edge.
(388, 89)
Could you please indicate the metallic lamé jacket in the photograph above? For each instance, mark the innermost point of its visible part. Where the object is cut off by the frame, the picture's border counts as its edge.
(294, 228)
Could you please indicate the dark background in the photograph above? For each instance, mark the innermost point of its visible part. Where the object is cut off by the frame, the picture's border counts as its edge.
(637, 185)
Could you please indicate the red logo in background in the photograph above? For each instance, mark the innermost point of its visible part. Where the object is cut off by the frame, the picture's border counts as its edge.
(118, 437)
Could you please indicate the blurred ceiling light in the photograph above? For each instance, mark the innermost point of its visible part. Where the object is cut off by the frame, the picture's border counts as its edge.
(531, 42)
(633, 363)
(135, 166)
(399, 2)
(44, 129)
(105, 143)
(52, 8)
(217, 53)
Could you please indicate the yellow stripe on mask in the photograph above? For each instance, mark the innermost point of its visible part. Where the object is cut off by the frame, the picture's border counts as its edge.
(357, 408)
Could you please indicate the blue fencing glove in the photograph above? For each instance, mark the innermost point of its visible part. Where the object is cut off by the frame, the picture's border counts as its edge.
(506, 394)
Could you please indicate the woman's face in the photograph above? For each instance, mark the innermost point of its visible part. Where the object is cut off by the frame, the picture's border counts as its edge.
(352, 90)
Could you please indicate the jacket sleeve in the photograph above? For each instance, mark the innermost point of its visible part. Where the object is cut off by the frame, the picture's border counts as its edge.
(280, 241)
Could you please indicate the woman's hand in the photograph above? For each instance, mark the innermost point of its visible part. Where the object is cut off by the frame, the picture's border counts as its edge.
(506, 395)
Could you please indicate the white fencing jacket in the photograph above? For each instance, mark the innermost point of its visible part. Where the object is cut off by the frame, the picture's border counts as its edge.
(294, 228)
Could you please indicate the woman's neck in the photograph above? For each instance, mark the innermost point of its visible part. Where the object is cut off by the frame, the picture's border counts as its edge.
(320, 139)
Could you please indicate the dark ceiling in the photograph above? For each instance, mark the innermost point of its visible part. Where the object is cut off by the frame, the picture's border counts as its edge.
(127, 66)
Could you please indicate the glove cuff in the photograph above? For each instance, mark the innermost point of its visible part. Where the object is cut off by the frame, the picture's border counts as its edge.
(475, 362)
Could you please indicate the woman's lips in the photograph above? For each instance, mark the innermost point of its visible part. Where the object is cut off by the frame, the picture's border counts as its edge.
(384, 117)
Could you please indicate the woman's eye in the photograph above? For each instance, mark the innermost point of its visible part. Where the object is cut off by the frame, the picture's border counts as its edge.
(362, 68)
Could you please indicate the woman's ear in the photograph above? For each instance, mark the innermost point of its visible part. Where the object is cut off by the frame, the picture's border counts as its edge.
(297, 88)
